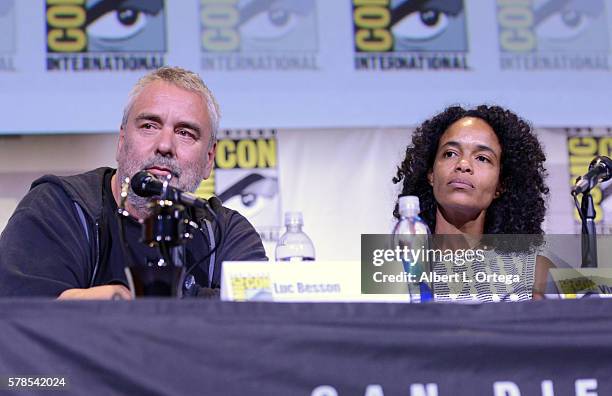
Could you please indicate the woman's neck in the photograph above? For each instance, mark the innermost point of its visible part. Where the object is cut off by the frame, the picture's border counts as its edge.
(459, 223)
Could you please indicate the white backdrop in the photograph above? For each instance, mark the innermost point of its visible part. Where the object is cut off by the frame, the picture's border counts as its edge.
(295, 62)
(340, 179)
(307, 70)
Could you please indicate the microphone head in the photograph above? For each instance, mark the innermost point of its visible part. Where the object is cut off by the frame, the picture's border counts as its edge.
(605, 163)
(145, 184)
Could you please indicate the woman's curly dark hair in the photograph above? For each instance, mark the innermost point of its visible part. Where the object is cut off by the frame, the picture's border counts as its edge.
(521, 207)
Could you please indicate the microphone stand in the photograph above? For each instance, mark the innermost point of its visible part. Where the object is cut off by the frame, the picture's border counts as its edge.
(600, 170)
(589, 234)
(168, 228)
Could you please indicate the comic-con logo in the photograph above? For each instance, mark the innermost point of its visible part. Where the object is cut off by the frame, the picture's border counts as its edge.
(245, 178)
(7, 35)
(251, 288)
(409, 34)
(553, 34)
(94, 35)
(258, 34)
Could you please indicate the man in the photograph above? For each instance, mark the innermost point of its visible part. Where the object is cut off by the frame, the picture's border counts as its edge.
(63, 239)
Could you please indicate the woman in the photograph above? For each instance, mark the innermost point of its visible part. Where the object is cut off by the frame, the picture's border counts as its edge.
(477, 172)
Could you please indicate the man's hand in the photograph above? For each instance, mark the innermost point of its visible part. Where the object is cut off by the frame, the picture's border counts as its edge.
(107, 292)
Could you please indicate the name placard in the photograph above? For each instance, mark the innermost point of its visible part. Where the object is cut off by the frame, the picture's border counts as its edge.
(307, 281)
(576, 282)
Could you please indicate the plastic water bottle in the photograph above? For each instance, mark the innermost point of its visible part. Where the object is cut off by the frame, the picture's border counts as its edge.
(405, 233)
(294, 244)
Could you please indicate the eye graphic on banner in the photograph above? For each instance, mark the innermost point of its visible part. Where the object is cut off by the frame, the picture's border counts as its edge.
(258, 34)
(7, 35)
(429, 26)
(410, 35)
(278, 26)
(571, 25)
(97, 35)
(553, 34)
(251, 194)
(564, 25)
(245, 178)
(269, 24)
(7, 26)
(118, 25)
(421, 25)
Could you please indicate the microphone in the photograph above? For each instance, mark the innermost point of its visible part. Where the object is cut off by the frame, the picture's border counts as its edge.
(600, 170)
(145, 184)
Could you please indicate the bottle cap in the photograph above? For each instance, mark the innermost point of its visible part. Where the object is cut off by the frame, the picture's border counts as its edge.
(408, 205)
(293, 218)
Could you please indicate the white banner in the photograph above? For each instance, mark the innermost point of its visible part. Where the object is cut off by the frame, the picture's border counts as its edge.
(66, 66)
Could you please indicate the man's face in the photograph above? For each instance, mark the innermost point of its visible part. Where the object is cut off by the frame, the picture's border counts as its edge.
(168, 131)
(466, 169)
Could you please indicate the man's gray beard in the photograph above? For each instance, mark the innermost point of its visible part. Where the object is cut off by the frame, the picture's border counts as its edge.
(187, 179)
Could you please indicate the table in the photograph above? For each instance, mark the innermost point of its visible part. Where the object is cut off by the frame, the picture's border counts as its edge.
(188, 347)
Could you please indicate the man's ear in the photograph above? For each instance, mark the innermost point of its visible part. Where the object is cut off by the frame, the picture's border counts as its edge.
(210, 160)
(120, 142)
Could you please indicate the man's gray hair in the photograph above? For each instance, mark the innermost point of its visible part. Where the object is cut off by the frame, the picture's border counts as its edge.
(181, 78)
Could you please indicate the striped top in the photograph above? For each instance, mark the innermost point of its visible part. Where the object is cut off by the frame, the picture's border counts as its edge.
(499, 277)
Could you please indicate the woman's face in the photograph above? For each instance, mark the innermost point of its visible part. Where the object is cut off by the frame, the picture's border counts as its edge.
(466, 169)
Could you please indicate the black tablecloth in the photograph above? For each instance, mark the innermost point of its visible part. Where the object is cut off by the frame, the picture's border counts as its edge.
(170, 347)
